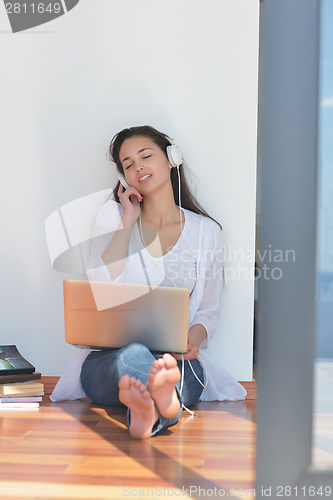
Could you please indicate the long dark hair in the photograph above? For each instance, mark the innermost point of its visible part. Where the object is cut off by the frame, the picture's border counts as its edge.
(188, 200)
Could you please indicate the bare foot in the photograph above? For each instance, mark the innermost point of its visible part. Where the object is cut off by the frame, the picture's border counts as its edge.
(143, 411)
(162, 378)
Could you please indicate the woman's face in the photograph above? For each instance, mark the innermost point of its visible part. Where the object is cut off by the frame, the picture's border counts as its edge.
(141, 157)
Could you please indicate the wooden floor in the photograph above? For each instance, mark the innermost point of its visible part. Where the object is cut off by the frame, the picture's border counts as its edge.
(322, 443)
(79, 450)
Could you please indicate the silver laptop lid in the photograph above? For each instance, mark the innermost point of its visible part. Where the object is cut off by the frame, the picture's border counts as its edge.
(126, 313)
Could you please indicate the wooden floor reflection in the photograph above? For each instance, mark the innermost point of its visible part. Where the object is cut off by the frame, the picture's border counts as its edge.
(322, 451)
(79, 450)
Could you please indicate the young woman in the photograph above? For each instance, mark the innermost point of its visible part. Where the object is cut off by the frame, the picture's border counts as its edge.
(187, 253)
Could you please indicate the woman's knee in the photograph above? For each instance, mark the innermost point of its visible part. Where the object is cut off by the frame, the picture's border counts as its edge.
(135, 349)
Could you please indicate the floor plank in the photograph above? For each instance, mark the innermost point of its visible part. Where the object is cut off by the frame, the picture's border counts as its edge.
(79, 450)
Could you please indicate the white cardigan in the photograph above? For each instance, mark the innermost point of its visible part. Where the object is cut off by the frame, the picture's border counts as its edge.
(204, 305)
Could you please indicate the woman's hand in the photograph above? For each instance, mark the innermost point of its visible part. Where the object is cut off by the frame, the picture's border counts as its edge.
(130, 201)
(192, 351)
(196, 336)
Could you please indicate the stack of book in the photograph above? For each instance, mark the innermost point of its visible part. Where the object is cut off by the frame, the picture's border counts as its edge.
(18, 391)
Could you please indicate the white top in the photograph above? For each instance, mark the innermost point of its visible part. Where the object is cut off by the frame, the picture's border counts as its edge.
(202, 246)
(141, 267)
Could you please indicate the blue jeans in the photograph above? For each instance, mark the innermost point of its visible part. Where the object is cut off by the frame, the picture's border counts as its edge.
(102, 370)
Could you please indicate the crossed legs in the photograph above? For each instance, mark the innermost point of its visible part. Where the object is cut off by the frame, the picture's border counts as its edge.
(131, 376)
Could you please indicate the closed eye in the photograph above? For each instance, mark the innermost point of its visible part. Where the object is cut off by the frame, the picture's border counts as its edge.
(145, 157)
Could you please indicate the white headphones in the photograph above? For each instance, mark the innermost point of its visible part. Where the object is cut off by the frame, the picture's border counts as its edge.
(174, 155)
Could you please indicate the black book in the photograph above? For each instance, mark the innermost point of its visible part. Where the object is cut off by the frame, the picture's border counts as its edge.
(11, 361)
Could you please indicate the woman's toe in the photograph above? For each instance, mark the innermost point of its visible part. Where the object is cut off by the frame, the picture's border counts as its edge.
(124, 382)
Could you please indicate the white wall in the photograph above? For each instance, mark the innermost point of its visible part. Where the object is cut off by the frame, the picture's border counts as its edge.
(188, 68)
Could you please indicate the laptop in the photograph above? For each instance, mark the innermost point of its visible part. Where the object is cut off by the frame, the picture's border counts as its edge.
(105, 315)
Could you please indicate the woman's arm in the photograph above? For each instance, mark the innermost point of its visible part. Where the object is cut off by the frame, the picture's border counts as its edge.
(112, 234)
(205, 320)
(211, 280)
(114, 256)
(107, 222)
